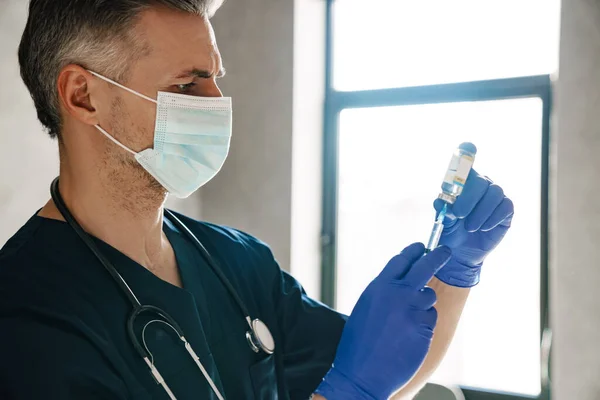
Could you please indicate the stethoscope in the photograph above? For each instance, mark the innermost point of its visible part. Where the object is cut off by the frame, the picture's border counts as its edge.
(258, 336)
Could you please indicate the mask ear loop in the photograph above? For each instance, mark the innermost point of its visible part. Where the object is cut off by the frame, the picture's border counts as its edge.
(123, 87)
(115, 141)
(130, 91)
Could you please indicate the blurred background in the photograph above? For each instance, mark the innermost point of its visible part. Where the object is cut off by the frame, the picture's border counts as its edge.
(346, 113)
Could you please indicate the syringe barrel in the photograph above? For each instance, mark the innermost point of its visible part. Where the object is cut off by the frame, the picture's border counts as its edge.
(436, 234)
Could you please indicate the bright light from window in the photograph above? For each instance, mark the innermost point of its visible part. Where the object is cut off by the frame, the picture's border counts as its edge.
(397, 43)
(391, 166)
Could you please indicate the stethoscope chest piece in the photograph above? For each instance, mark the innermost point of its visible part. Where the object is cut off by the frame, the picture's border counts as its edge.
(260, 338)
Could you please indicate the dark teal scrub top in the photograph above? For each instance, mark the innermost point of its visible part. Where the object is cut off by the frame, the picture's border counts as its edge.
(63, 320)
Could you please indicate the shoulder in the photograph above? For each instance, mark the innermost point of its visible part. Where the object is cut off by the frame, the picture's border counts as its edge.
(17, 257)
(40, 268)
(18, 244)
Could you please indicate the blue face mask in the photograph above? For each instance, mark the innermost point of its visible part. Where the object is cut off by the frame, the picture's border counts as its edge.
(191, 140)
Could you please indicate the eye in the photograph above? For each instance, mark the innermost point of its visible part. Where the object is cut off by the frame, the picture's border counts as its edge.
(186, 87)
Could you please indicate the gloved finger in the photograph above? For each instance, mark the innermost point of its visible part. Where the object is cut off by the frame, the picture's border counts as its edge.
(485, 208)
(474, 190)
(493, 237)
(423, 270)
(397, 267)
(502, 215)
(425, 299)
(430, 317)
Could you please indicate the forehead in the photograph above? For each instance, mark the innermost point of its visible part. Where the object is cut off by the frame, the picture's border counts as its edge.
(176, 40)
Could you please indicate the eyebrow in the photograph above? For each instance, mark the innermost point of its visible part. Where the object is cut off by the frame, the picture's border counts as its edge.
(200, 73)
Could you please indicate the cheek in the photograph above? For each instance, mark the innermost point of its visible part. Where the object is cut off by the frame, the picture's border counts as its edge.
(142, 120)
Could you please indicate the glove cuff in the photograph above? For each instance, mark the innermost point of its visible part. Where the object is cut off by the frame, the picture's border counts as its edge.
(336, 386)
(459, 275)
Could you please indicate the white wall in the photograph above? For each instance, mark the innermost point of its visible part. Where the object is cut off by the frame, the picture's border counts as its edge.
(253, 190)
(271, 184)
(29, 159)
(307, 143)
(575, 274)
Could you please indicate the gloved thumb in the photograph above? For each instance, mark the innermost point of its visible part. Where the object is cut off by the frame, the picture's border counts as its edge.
(399, 265)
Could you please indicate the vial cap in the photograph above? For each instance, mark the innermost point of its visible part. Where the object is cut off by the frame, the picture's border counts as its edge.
(469, 147)
(448, 198)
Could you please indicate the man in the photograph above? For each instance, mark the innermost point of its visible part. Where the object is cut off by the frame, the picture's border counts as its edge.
(96, 70)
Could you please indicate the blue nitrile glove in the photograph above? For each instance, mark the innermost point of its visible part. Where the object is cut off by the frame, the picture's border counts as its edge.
(389, 332)
(474, 226)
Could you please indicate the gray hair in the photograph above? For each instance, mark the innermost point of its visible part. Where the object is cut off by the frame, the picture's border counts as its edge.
(90, 33)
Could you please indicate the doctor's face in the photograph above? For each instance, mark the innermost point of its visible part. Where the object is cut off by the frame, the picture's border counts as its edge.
(178, 54)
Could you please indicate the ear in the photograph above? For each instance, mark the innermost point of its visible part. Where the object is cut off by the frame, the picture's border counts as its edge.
(78, 91)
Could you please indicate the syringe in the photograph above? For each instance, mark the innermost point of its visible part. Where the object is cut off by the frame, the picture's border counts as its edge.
(438, 228)
(454, 182)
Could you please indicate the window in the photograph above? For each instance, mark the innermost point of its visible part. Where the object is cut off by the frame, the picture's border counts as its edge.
(392, 120)
(385, 202)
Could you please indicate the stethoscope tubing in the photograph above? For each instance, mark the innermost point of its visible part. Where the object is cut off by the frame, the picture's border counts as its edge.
(138, 308)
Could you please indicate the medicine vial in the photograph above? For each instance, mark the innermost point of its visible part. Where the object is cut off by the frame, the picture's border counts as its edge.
(458, 171)
(454, 182)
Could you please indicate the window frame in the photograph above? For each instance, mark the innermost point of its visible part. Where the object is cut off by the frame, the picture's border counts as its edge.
(539, 86)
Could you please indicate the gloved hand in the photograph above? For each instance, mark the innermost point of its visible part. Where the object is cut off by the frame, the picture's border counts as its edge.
(388, 334)
(474, 226)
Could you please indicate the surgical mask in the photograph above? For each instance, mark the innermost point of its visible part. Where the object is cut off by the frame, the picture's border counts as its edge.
(191, 139)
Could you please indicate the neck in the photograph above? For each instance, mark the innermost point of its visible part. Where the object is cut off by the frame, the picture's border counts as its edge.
(125, 212)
